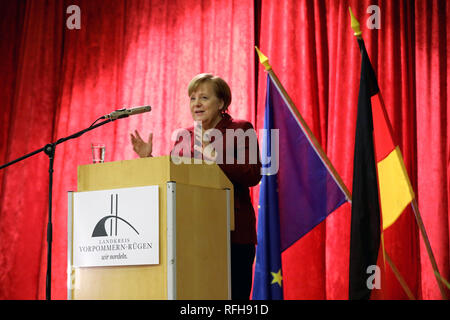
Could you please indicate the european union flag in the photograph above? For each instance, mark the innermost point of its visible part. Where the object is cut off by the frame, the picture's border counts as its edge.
(267, 283)
(297, 192)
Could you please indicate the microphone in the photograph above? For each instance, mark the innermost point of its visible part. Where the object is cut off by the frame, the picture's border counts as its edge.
(123, 113)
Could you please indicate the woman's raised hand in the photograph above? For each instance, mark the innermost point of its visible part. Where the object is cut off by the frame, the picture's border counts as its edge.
(142, 148)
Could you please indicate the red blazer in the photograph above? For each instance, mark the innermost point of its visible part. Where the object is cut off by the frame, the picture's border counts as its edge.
(242, 176)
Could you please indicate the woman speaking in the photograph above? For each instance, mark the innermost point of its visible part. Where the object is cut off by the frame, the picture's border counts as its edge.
(210, 97)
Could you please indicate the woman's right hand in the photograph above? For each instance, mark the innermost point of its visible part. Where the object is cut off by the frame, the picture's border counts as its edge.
(142, 148)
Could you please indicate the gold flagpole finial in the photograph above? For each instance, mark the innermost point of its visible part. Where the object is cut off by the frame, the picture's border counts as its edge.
(355, 24)
(263, 59)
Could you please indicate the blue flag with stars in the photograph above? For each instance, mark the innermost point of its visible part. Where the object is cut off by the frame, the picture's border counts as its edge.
(297, 192)
(267, 283)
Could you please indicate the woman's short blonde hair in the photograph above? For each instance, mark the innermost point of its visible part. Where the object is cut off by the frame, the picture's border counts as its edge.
(221, 88)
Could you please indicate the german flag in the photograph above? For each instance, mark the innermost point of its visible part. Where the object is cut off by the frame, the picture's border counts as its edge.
(380, 180)
(394, 185)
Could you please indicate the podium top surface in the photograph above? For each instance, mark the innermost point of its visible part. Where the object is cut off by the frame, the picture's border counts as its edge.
(149, 171)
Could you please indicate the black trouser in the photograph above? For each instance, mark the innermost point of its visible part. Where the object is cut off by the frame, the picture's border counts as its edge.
(242, 256)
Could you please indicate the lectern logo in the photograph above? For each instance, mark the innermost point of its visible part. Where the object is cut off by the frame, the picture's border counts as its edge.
(112, 218)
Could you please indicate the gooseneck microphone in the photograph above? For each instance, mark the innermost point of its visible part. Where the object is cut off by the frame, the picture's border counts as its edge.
(123, 113)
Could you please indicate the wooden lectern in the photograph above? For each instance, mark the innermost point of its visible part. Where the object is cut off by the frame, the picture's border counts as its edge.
(195, 218)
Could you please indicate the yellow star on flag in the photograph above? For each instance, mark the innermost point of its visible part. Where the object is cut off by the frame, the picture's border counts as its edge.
(277, 278)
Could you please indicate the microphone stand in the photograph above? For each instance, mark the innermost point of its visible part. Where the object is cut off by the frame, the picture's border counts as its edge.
(49, 150)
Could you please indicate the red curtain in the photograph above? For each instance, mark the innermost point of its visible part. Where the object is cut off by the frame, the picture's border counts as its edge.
(314, 53)
(57, 81)
(30, 55)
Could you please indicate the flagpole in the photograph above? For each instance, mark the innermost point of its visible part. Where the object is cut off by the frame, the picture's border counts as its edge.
(265, 62)
(356, 27)
(428, 246)
(399, 276)
(423, 232)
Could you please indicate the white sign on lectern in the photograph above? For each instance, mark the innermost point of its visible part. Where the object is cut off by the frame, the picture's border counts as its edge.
(116, 227)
